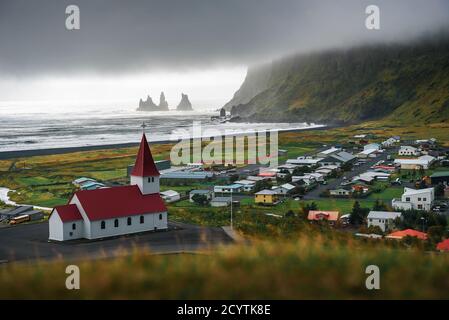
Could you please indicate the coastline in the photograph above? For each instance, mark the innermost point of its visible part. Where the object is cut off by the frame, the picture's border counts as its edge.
(6, 155)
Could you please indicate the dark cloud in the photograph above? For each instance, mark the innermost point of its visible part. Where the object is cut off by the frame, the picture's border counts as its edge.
(137, 35)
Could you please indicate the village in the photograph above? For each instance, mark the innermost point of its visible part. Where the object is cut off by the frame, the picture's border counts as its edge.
(390, 189)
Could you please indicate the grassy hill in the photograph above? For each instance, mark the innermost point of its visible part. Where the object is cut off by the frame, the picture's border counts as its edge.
(401, 82)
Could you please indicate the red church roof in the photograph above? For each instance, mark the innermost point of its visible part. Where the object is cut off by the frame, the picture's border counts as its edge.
(408, 232)
(68, 212)
(144, 165)
(118, 202)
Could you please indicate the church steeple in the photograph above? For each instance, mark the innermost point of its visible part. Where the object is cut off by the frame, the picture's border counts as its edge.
(144, 165)
(145, 174)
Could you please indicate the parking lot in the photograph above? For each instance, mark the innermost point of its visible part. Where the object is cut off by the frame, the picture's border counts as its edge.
(29, 242)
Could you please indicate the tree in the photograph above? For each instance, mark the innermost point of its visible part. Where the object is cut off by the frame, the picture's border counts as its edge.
(435, 233)
(200, 199)
(439, 190)
(261, 185)
(379, 206)
(358, 214)
(289, 214)
(233, 178)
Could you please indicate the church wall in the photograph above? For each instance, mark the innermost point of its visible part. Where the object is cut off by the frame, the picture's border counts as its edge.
(145, 185)
(56, 231)
(150, 222)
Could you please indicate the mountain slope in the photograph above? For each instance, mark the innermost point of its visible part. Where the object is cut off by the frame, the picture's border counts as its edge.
(403, 82)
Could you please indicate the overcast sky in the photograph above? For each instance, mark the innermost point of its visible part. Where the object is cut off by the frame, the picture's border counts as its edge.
(143, 38)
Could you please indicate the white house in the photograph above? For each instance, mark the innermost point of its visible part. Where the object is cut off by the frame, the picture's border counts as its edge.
(420, 199)
(409, 151)
(108, 212)
(235, 188)
(372, 146)
(383, 219)
(220, 201)
(284, 189)
(423, 162)
(248, 185)
(170, 196)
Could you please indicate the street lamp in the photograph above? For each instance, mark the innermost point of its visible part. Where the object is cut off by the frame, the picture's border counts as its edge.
(423, 221)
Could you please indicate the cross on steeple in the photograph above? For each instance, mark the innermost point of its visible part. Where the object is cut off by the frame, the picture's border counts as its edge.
(143, 125)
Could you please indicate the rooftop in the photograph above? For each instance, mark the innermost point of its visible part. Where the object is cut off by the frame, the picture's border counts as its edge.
(383, 215)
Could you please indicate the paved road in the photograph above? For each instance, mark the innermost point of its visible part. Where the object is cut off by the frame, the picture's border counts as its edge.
(29, 242)
(356, 170)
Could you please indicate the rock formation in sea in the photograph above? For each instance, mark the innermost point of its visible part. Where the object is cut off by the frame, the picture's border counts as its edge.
(163, 104)
(185, 104)
(149, 105)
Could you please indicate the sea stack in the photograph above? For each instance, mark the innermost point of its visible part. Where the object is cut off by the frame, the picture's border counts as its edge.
(149, 105)
(163, 104)
(185, 104)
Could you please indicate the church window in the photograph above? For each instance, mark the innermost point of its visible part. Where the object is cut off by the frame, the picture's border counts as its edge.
(73, 226)
(103, 225)
(142, 219)
(129, 221)
(116, 223)
(160, 216)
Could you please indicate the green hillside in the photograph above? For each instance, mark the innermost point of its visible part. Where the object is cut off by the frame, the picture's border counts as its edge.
(405, 82)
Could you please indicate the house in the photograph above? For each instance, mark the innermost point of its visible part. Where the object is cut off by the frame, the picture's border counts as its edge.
(220, 201)
(329, 216)
(340, 192)
(409, 151)
(440, 177)
(306, 180)
(91, 185)
(339, 159)
(423, 162)
(369, 153)
(10, 213)
(80, 181)
(383, 219)
(256, 178)
(266, 197)
(408, 232)
(370, 176)
(248, 185)
(115, 211)
(305, 161)
(170, 196)
(443, 245)
(417, 199)
(389, 142)
(284, 189)
(234, 188)
(372, 146)
(360, 188)
(267, 174)
(328, 152)
(288, 167)
(209, 194)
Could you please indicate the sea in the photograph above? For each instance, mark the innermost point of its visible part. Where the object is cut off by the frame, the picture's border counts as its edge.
(30, 128)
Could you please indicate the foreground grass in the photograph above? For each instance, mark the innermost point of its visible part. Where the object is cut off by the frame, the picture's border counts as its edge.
(304, 269)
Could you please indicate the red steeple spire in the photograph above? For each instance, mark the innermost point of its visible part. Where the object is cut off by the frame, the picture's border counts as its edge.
(144, 165)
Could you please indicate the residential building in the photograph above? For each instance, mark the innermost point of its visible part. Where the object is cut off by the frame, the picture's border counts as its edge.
(443, 245)
(220, 201)
(340, 192)
(407, 233)
(234, 188)
(417, 199)
(440, 177)
(372, 146)
(409, 151)
(284, 189)
(423, 162)
(209, 194)
(329, 216)
(248, 185)
(339, 159)
(170, 196)
(115, 211)
(328, 152)
(266, 197)
(305, 161)
(383, 219)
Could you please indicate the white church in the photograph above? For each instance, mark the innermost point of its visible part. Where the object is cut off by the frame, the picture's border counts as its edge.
(107, 212)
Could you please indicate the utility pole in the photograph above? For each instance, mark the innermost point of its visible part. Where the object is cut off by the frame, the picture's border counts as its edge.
(232, 227)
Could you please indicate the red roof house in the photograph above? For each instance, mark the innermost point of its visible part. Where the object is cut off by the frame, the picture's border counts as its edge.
(443, 245)
(408, 232)
(318, 215)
